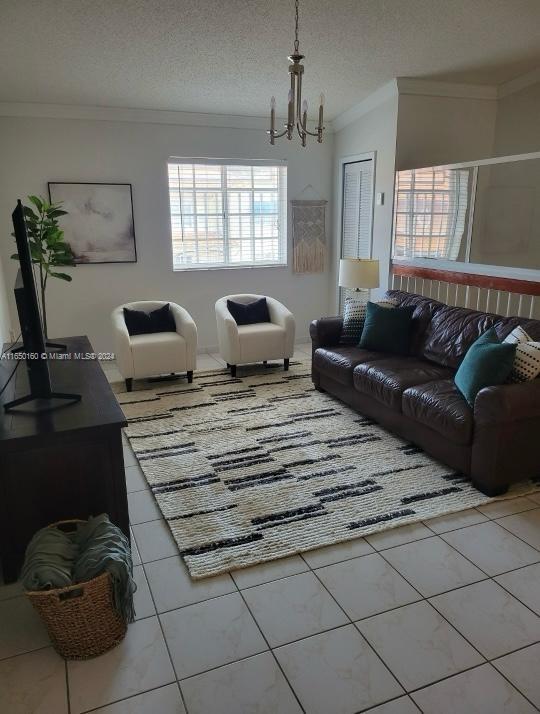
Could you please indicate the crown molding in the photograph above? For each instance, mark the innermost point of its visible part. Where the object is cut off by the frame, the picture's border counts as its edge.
(431, 88)
(414, 86)
(519, 83)
(371, 102)
(141, 116)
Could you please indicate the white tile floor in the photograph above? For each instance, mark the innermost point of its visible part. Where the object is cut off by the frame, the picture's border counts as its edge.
(441, 617)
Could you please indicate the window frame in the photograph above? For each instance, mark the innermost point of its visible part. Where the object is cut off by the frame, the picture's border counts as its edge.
(282, 237)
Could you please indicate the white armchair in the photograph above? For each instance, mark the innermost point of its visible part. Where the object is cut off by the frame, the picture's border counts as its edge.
(140, 356)
(259, 342)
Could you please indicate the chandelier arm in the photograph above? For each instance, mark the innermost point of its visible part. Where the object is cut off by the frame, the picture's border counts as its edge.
(275, 134)
(307, 131)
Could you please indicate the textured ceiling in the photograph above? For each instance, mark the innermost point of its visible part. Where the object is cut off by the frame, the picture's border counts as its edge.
(229, 56)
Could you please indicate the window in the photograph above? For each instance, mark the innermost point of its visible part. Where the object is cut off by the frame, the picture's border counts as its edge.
(431, 207)
(227, 215)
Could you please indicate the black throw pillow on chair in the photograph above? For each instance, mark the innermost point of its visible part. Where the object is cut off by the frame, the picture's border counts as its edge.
(144, 323)
(249, 313)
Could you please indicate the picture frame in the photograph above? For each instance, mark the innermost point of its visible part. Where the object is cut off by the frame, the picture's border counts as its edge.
(99, 224)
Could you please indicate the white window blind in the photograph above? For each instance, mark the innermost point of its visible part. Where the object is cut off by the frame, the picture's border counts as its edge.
(227, 215)
(430, 212)
(357, 210)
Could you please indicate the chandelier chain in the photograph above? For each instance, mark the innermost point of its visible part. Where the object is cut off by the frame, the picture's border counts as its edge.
(296, 41)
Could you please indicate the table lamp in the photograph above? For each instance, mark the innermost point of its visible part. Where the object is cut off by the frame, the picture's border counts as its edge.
(358, 274)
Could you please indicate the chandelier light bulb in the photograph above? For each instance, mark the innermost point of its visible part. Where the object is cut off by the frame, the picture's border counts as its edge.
(304, 106)
(272, 103)
(321, 102)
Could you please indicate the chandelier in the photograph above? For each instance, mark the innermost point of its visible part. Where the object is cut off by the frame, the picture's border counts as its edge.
(297, 109)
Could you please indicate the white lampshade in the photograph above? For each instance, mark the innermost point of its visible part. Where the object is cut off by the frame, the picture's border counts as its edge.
(358, 273)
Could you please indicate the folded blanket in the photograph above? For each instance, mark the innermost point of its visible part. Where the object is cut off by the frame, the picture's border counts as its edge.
(103, 547)
(49, 560)
(55, 559)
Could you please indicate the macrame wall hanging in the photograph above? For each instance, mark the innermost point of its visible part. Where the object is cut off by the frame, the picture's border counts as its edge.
(309, 235)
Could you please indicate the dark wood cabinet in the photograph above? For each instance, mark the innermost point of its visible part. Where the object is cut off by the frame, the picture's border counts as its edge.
(61, 464)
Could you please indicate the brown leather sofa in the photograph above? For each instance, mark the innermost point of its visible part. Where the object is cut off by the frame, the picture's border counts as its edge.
(496, 443)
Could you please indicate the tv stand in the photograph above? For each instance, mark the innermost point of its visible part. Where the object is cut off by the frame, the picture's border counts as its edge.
(60, 464)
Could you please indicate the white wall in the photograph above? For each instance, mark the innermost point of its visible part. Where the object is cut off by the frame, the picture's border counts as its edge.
(373, 132)
(5, 322)
(517, 130)
(37, 150)
(443, 130)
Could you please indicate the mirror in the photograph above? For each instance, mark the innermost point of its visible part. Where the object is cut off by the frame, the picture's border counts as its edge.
(486, 213)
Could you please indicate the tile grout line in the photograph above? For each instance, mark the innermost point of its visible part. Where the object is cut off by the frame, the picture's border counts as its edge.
(165, 640)
(126, 699)
(364, 637)
(66, 671)
(270, 648)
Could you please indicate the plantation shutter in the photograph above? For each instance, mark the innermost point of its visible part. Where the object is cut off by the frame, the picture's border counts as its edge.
(357, 211)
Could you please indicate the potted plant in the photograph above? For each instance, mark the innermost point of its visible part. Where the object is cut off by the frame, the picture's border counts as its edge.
(48, 249)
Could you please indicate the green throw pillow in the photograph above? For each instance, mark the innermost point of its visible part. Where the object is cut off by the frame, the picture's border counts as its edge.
(387, 330)
(488, 362)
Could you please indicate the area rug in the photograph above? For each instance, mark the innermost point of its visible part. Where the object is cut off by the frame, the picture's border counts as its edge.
(263, 466)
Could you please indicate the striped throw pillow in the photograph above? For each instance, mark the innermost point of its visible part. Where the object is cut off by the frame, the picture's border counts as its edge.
(527, 359)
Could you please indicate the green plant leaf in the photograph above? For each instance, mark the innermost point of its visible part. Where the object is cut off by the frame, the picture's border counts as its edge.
(61, 276)
(29, 214)
(56, 213)
(15, 256)
(38, 202)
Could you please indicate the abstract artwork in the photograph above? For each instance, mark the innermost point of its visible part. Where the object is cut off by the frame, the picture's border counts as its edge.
(99, 226)
(309, 238)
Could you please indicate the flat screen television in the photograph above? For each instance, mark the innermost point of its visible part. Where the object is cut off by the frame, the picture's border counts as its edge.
(34, 345)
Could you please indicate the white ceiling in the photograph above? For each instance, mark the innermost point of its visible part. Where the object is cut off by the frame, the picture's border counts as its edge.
(230, 56)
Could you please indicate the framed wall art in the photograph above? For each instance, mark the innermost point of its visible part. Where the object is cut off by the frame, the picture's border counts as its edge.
(99, 226)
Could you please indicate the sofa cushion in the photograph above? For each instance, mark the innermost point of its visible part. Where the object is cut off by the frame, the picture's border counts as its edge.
(386, 380)
(338, 362)
(452, 331)
(440, 406)
(159, 353)
(261, 341)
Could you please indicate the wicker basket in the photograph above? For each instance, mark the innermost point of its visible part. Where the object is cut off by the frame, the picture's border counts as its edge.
(81, 619)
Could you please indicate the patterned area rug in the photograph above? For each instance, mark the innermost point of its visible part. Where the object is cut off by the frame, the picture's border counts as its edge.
(259, 467)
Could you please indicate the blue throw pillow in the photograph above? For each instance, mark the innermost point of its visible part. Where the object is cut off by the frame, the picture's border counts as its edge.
(488, 362)
(387, 330)
(248, 313)
(139, 322)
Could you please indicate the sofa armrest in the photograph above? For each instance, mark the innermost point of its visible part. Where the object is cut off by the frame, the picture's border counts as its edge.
(282, 316)
(507, 402)
(505, 440)
(326, 331)
(122, 344)
(227, 330)
(186, 327)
